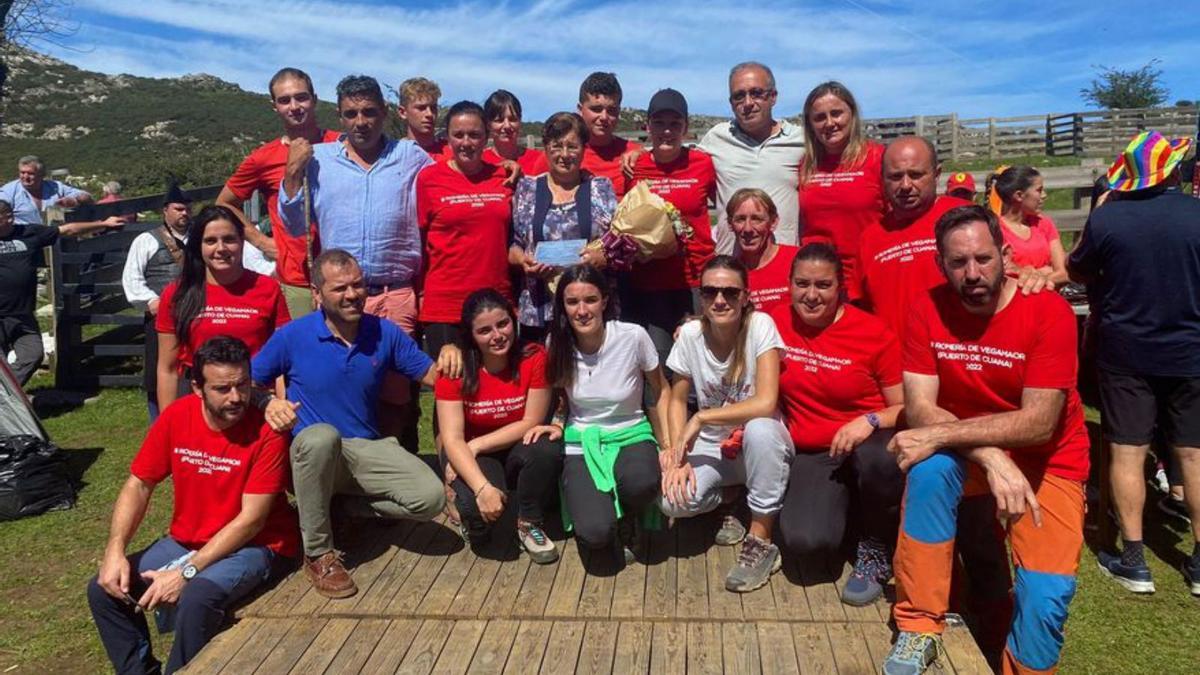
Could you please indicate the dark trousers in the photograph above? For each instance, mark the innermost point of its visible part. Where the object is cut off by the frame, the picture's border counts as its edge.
(637, 477)
(22, 335)
(198, 614)
(528, 474)
(659, 312)
(822, 490)
(150, 366)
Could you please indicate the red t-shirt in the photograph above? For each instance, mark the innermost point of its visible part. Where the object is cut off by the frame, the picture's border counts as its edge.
(1034, 251)
(249, 309)
(769, 285)
(607, 162)
(211, 470)
(466, 222)
(263, 170)
(440, 152)
(838, 203)
(532, 162)
(983, 364)
(688, 183)
(898, 263)
(829, 376)
(500, 399)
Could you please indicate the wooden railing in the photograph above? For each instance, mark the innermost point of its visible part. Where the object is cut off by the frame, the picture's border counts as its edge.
(86, 291)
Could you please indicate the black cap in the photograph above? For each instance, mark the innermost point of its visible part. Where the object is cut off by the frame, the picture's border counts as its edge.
(665, 100)
(175, 195)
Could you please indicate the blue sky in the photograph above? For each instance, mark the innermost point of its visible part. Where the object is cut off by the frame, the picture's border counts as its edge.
(973, 57)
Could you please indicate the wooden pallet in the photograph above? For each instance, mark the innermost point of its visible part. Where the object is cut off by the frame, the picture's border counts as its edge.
(427, 604)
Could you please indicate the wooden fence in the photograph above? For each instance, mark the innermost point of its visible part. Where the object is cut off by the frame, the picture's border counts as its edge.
(86, 291)
(1098, 133)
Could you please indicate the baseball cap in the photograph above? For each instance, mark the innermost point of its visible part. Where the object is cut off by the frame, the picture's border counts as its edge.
(665, 100)
(960, 180)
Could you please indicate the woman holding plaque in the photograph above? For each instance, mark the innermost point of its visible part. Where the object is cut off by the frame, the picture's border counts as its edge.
(563, 205)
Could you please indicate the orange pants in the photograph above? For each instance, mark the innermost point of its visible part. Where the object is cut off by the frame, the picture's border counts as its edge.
(1046, 559)
(398, 305)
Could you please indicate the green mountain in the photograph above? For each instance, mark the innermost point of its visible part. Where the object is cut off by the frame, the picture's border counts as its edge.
(135, 130)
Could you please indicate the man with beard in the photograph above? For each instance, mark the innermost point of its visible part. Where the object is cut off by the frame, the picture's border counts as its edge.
(154, 261)
(230, 526)
(295, 103)
(989, 379)
(335, 361)
(362, 193)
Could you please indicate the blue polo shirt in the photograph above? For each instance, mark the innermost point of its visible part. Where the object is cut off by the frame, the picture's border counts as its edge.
(334, 383)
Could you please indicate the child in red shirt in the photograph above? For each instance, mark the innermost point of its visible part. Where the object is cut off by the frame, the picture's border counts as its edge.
(484, 419)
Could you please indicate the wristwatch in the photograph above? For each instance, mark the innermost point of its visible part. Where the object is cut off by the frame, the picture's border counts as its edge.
(873, 420)
(189, 572)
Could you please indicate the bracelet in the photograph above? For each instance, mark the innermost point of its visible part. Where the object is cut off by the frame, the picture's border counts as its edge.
(485, 486)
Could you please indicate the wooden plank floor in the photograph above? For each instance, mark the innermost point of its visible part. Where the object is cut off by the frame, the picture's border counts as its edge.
(427, 604)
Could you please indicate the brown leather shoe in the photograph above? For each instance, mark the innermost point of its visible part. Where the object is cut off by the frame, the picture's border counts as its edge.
(328, 576)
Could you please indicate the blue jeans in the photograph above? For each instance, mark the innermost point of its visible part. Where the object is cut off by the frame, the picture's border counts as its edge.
(198, 615)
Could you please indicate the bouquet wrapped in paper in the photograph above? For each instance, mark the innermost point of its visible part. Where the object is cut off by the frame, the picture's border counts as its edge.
(645, 227)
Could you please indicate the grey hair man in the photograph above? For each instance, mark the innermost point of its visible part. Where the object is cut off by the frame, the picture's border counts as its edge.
(32, 193)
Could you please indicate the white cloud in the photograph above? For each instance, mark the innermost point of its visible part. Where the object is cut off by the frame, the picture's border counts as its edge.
(899, 58)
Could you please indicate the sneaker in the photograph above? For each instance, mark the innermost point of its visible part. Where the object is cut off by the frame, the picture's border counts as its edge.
(1160, 479)
(328, 575)
(872, 569)
(1176, 508)
(732, 531)
(1191, 574)
(756, 563)
(535, 542)
(913, 653)
(1134, 578)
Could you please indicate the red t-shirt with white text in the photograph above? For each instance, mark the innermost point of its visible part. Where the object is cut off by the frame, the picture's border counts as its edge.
(607, 162)
(500, 399)
(250, 309)
(830, 376)
(466, 222)
(263, 170)
(898, 263)
(838, 203)
(211, 470)
(769, 284)
(687, 183)
(532, 162)
(983, 365)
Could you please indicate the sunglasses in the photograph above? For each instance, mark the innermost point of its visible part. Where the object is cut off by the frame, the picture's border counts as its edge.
(731, 293)
(755, 94)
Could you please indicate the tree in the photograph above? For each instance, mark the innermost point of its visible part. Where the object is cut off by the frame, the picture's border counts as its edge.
(1116, 88)
(24, 21)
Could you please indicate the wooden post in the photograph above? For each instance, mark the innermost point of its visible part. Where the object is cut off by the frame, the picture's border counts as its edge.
(992, 151)
(954, 136)
(1049, 137)
(1077, 134)
(919, 125)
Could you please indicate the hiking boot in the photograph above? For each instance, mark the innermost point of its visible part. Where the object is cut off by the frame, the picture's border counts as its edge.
(913, 653)
(872, 569)
(328, 576)
(732, 531)
(535, 542)
(1176, 508)
(756, 563)
(1191, 574)
(1135, 578)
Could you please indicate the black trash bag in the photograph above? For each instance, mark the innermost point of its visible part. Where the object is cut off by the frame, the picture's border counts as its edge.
(33, 478)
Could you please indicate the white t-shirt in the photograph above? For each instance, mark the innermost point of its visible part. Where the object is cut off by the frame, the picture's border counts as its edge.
(607, 391)
(691, 358)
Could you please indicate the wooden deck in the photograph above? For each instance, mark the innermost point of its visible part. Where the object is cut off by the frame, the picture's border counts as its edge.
(427, 604)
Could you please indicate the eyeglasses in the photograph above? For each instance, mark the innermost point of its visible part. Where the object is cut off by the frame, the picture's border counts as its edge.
(565, 148)
(731, 293)
(755, 93)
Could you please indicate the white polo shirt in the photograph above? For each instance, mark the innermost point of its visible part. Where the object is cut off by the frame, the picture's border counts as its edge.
(772, 166)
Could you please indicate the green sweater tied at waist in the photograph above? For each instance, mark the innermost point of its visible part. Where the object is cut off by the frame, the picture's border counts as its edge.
(600, 450)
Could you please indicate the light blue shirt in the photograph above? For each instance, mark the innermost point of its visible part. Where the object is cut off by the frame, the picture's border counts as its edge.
(25, 209)
(370, 213)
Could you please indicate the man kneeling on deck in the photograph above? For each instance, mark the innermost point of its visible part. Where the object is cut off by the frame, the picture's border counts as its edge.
(335, 360)
(231, 521)
(989, 384)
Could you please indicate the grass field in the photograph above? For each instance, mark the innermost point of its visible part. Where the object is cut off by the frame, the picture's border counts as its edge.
(45, 626)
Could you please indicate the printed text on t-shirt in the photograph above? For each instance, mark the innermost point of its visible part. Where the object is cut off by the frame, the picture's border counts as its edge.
(905, 251)
(206, 463)
(976, 355)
